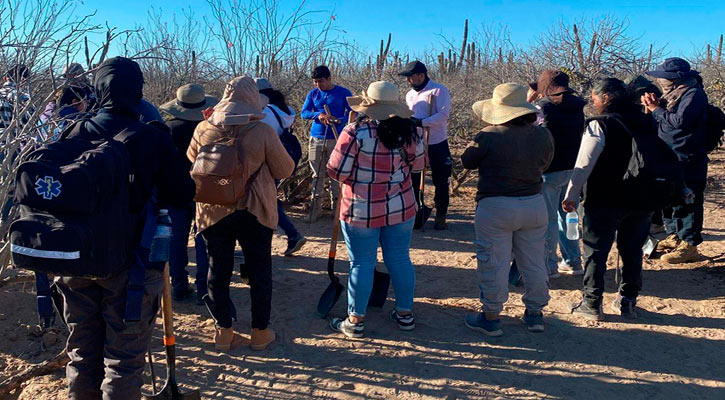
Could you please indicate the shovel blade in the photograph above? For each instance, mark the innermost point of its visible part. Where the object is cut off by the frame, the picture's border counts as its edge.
(329, 298)
(381, 283)
(171, 391)
(421, 217)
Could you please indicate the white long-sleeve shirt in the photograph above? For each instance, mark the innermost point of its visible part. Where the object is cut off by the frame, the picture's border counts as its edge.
(271, 120)
(437, 120)
(589, 151)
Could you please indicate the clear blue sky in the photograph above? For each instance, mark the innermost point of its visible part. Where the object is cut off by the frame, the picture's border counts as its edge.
(416, 25)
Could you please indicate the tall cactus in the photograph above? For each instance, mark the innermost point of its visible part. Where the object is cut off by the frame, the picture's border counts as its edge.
(463, 45)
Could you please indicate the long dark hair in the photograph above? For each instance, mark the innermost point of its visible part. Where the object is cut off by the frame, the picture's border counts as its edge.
(619, 99)
(396, 132)
(276, 98)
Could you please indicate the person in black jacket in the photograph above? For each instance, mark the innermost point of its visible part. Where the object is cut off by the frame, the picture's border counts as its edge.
(680, 116)
(563, 113)
(107, 353)
(611, 212)
(185, 112)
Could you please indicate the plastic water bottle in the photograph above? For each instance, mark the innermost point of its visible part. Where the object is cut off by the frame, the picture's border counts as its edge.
(160, 246)
(572, 226)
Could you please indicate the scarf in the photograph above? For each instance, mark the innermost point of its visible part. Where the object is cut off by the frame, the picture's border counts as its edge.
(673, 90)
(422, 86)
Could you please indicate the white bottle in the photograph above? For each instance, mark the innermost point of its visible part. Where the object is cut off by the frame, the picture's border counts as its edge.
(572, 226)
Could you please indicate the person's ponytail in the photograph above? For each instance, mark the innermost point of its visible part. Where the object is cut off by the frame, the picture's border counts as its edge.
(396, 132)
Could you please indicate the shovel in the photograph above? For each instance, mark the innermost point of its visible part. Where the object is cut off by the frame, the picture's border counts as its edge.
(421, 217)
(170, 390)
(381, 283)
(332, 294)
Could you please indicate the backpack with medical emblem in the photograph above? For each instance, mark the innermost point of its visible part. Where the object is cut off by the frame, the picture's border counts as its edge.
(73, 196)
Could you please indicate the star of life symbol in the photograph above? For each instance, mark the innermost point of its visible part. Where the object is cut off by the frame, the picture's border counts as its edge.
(48, 187)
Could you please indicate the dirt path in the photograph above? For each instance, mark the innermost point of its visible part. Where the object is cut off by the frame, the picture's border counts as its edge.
(675, 350)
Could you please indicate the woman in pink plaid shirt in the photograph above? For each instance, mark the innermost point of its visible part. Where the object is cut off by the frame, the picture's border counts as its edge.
(373, 159)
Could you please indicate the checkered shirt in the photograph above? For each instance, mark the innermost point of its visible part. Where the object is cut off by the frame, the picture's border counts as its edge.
(377, 189)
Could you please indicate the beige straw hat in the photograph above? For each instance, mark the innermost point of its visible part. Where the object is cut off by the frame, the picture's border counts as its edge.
(508, 102)
(381, 101)
(189, 102)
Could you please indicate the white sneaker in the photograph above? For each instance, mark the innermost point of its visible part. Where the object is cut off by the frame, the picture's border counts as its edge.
(567, 269)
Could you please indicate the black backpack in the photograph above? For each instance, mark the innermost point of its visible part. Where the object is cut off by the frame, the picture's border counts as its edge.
(714, 128)
(654, 178)
(289, 140)
(73, 196)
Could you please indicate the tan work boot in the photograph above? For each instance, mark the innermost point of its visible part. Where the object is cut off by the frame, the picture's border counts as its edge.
(669, 243)
(261, 338)
(226, 339)
(684, 253)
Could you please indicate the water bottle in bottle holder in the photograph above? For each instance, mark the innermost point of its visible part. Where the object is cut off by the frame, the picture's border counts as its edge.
(160, 246)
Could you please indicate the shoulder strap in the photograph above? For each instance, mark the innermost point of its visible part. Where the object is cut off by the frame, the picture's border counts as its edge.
(614, 117)
(279, 120)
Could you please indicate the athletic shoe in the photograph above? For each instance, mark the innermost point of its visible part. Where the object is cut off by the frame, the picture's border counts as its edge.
(440, 224)
(479, 323)
(181, 294)
(347, 328)
(405, 322)
(566, 269)
(200, 298)
(295, 244)
(534, 321)
(583, 309)
(625, 306)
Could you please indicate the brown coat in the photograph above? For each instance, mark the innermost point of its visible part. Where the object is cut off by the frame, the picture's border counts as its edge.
(261, 148)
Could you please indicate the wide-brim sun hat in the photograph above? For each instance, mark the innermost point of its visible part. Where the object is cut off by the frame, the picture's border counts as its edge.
(189, 103)
(673, 68)
(380, 101)
(508, 102)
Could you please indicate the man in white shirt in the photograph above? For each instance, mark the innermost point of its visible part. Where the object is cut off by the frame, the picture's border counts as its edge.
(431, 106)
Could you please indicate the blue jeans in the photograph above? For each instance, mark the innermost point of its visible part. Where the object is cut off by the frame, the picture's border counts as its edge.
(181, 224)
(554, 190)
(362, 249)
(283, 220)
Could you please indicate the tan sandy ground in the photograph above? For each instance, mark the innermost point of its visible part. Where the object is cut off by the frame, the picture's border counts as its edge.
(674, 351)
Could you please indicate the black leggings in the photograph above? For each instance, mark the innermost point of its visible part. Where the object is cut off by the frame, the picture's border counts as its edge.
(256, 242)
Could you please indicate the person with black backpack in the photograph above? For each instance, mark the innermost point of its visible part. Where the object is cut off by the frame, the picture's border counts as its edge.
(91, 239)
(681, 115)
(612, 209)
(185, 113)
(280, 116)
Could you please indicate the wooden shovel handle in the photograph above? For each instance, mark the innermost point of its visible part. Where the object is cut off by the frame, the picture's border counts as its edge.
(336, 215)
(166, 311)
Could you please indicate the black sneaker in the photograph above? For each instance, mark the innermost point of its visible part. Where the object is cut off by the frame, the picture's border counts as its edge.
(347, 328)
(405, 322)
(534, 321)
(625, 306)
(440, 224)
(295, 244)
(243, 273)
(584, 309)
(182, 294)
(200, 298)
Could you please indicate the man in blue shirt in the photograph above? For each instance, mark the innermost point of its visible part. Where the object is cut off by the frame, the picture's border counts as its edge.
(322, 139)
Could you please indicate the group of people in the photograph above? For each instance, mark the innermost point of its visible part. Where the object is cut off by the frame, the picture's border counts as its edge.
(538, 158)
